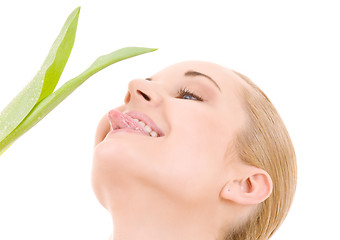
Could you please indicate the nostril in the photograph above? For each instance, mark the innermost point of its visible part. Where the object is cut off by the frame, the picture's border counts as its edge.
(146, 97)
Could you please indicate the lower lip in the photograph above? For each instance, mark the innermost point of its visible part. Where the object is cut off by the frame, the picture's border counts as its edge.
(123, 130)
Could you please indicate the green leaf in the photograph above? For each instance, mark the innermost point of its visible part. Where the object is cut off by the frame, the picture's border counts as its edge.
(50, 102)
(45, 80)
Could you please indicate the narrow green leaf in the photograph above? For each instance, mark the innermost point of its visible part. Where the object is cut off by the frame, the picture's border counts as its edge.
(59, 54)
(45, 80)
(50, 102)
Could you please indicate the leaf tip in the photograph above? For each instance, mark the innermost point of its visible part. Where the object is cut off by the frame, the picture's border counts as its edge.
(76, 11)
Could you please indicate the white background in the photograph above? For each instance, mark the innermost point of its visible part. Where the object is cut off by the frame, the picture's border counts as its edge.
(289, 48)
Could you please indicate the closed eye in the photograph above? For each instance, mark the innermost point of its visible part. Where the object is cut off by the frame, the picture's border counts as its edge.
(185, 93)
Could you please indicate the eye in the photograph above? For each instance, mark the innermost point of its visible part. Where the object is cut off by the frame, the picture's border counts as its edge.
(184, 93)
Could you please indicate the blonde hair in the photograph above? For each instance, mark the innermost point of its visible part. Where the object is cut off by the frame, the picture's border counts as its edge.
(265, 143)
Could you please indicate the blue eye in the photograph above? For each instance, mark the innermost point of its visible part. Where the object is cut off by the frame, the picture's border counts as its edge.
(184, 93)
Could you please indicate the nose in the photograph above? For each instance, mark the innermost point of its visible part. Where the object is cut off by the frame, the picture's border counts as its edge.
(140, 90)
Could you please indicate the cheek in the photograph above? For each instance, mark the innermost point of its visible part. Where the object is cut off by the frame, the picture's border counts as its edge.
(189, 173)
(200, 129)
(201, 150)
(192, 167)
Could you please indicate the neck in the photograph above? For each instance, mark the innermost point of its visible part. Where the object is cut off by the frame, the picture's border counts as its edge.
(166, 220)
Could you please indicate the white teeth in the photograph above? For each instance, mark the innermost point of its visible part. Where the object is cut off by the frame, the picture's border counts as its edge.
(141, 123)
(147, 128)
(153, 134)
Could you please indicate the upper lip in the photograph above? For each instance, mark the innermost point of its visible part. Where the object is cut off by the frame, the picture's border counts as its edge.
(147, 120)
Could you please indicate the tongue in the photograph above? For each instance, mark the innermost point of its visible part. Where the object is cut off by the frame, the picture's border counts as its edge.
(119, 120)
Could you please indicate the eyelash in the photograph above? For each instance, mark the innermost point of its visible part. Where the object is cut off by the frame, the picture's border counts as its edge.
(184, 91)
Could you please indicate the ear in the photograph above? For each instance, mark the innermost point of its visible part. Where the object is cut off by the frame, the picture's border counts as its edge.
(252, 186)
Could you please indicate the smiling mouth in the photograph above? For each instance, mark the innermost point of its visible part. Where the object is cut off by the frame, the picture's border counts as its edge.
(132, 122)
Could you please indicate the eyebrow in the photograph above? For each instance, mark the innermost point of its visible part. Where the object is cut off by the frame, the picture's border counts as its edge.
(194, 74)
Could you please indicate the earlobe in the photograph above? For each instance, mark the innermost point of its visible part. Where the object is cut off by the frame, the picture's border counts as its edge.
(253, 188)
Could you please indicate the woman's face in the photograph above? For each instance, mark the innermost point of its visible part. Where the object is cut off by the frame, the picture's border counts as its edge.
(195, 109)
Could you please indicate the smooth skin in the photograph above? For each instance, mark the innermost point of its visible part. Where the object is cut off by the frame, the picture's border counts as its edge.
(189, 183)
